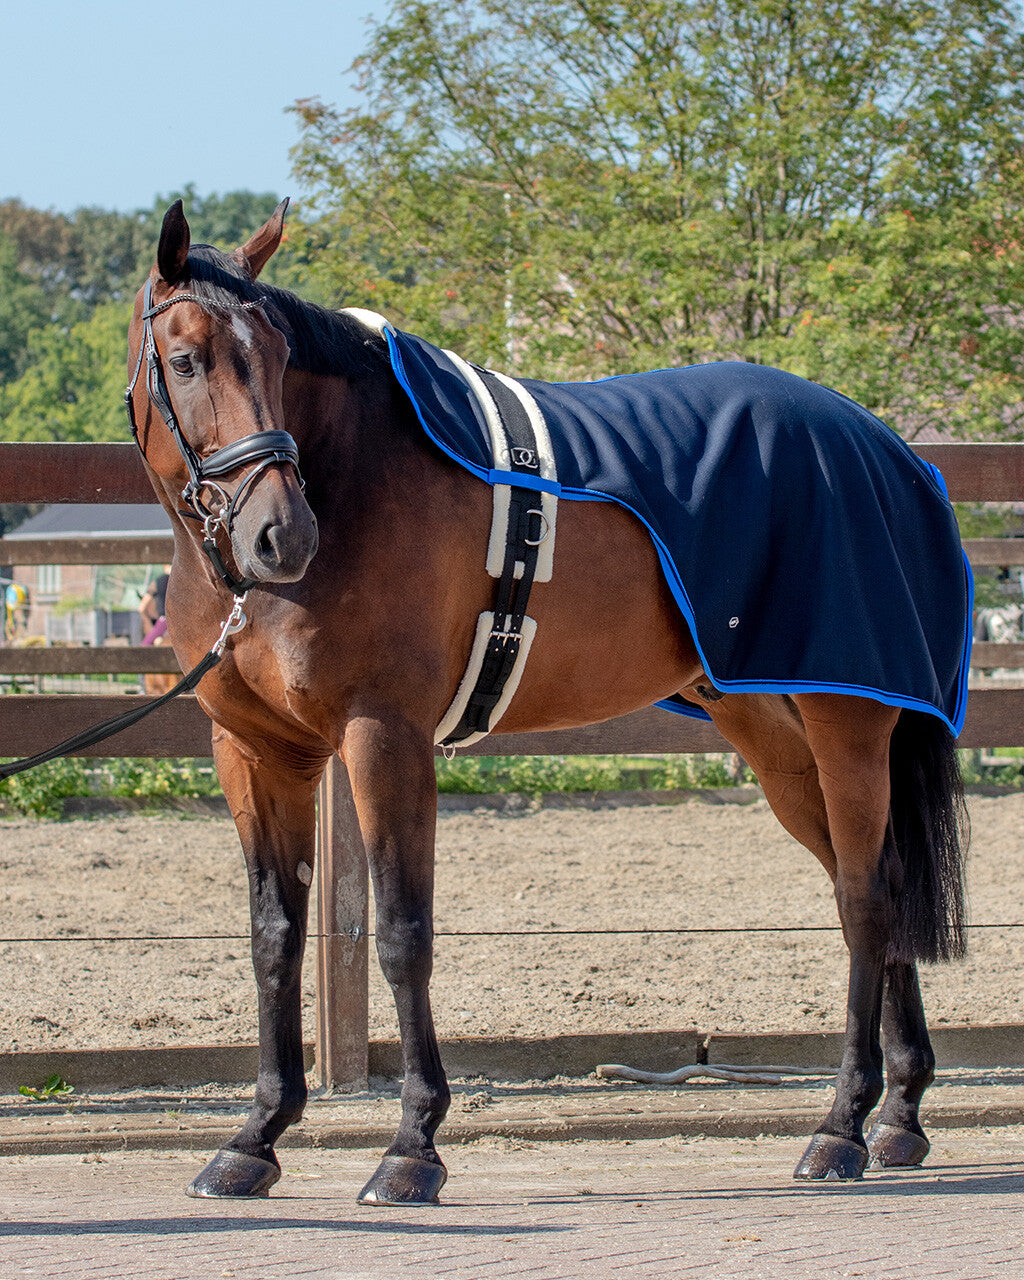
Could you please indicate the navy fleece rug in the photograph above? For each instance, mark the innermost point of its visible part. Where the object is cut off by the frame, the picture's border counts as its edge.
(807, 547)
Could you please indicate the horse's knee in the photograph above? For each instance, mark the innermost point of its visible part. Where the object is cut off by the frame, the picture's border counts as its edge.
(277, 951)
(405, 949)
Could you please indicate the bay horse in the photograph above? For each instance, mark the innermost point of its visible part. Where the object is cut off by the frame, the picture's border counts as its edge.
(366, 586)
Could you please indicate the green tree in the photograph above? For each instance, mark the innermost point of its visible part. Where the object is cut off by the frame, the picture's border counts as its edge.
(581, 187)
(22, 308)
(74, 386)
(66, 283)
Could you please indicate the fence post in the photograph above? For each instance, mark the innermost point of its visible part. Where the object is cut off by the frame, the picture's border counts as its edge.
(342, 916)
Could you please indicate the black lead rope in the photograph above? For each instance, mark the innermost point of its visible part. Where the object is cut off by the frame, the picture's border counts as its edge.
(107, 728)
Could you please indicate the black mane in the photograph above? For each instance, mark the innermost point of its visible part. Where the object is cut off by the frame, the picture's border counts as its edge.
(320, 341)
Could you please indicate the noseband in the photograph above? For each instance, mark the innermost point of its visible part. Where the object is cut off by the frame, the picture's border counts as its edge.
(263, 448)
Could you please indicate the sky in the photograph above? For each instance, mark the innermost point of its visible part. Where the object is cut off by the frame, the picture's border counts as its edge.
(112, 103)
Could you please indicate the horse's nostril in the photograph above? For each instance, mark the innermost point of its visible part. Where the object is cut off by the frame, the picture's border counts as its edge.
(266, 545)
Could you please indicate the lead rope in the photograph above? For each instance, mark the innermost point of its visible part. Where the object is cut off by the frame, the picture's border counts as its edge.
(234, 623)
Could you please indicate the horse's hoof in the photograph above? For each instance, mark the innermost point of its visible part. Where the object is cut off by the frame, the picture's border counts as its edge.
(235, 1175)
(404, 1180)
(829, 1158)
(891, 1147)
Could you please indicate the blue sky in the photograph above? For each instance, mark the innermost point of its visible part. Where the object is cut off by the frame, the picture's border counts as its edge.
(114, 102)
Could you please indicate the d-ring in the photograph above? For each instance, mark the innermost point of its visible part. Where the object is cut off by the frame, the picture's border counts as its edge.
(535, 542)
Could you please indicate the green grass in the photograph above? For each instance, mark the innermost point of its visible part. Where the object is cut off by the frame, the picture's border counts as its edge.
(41, 792)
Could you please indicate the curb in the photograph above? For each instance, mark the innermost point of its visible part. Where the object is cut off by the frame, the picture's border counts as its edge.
(758, 1121)
(500, 1058)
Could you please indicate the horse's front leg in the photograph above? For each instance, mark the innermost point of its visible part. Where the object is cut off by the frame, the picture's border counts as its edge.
(272, 801)
(391, 767)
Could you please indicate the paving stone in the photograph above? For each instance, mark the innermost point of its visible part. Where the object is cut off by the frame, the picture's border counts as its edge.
(548, 1211)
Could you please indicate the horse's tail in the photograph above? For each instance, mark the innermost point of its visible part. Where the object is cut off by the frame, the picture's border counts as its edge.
(930, 831)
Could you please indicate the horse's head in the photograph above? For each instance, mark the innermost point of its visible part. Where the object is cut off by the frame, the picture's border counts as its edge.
(208, 415)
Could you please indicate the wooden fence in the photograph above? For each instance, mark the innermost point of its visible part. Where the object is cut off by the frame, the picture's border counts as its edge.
(32, 722)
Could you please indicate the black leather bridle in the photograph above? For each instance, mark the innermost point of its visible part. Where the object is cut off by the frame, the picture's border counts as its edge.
(262, 448)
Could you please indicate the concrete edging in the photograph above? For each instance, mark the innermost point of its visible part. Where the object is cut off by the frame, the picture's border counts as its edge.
(501, 1058)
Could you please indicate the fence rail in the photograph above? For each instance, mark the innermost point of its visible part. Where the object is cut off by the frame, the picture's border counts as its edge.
(115, 473)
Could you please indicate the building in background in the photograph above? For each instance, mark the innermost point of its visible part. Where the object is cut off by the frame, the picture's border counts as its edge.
(81, 603)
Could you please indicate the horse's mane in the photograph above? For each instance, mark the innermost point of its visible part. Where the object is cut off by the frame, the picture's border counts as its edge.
(320, 341)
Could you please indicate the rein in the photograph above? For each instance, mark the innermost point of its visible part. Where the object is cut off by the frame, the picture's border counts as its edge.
(264, 448)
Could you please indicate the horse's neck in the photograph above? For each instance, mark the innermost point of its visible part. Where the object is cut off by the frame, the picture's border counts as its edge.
(352, 434)
(368, 464)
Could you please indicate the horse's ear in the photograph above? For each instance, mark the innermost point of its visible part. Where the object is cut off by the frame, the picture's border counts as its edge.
(262, 245)
(175, 238)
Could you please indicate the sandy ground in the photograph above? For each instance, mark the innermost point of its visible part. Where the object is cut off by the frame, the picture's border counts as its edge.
(639, 868)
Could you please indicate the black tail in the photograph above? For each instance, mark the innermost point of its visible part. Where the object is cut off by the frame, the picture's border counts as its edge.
(930, 832)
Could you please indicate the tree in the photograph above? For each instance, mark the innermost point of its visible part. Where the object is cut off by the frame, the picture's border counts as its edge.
(66, 285)
(582, 187)
(73, 389)
(22, 308)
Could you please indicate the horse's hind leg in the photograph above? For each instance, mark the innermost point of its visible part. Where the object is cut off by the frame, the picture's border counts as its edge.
(391, 766)
(881, 808)
(896, 1137)
(272, 801)
(929, 832)
(849, 738)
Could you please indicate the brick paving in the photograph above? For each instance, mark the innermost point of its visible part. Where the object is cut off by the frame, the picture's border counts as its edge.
(614, 1210)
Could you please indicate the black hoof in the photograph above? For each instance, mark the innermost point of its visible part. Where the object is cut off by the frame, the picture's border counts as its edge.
(234, 1175)
(829, 1158)
(891, 1147)
(404, 1180)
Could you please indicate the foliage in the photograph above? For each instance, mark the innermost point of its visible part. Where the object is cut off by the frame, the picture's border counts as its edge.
(67, 282)
(22, 309)
(73, 388)
(481, 775)
(54, 1086)
(42, 791)
(577, 189)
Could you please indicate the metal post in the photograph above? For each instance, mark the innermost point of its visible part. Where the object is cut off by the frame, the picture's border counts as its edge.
(342, 1016)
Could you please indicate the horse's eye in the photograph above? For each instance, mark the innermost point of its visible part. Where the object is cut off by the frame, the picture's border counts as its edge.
(182, 365)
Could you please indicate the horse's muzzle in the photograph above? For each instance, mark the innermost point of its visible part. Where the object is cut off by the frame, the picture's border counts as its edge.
(275, 542)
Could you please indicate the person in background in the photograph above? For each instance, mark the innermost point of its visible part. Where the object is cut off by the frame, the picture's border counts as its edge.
(152, 607)
(16, 610)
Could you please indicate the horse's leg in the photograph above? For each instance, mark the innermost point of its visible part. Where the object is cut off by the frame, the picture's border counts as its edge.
(391, 766)
(824, 768)
(272, 802)
(896, 1137)
(849, 738)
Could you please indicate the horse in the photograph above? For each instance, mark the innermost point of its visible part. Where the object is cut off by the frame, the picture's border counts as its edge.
(362, 583)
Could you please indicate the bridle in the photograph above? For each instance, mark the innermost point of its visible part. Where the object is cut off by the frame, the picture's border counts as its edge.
(264, 448)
